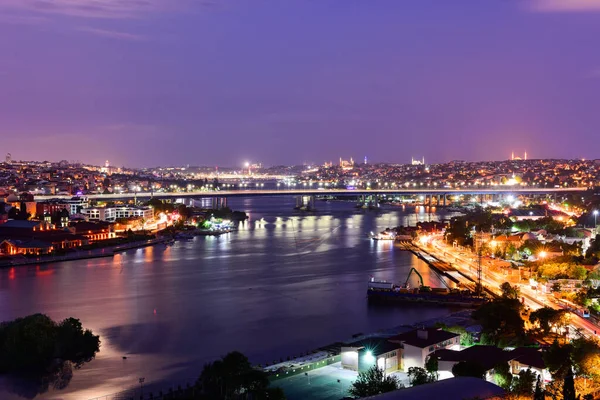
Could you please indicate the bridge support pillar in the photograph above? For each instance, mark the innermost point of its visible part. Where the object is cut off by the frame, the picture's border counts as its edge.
(445, 200)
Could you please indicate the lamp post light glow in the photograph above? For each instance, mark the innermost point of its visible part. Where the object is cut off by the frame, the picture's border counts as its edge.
(369, 357)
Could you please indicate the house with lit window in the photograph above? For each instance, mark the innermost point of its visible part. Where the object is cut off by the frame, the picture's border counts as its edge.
(93, 231)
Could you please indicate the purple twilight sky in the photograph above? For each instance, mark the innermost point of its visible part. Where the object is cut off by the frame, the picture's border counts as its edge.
(207, 82)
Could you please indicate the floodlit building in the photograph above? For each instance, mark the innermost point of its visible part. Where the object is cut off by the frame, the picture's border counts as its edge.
(364, 354)
(418, 344)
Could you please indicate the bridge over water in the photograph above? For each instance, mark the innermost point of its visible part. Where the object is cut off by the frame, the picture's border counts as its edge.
(430, 196)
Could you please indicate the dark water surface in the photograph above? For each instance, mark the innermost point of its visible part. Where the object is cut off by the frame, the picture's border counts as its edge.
(285, 283)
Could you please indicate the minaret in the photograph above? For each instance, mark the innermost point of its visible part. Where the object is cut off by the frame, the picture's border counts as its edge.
(365, 160)
(512, 156)
(423, 160)
(525, 158)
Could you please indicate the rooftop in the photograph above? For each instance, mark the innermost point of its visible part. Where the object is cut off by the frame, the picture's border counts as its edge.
(376, 345)
(423, 338)
(487, 356)
(459, 388)
(529, 356)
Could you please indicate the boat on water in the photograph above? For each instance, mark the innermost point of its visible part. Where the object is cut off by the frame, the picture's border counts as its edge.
(385, 235)
(384, 291)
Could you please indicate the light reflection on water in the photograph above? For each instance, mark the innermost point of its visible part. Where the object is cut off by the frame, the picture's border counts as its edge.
(285, 283)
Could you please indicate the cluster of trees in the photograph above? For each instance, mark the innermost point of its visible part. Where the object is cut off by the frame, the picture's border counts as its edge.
(161, 206)
(233, 377)
(548, 224)
(575, 368)
(373, 382)
(44, 352)
(466, 338)
(560, 268)
(500, 318)
(19, 213)
(527, 383)
(228, 213)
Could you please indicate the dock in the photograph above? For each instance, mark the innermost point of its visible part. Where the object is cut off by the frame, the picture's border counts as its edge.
(441, 267)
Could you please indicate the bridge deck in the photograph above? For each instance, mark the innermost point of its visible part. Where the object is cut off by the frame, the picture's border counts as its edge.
(317, 192)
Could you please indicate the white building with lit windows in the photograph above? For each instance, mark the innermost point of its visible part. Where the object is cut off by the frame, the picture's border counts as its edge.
(111, 214)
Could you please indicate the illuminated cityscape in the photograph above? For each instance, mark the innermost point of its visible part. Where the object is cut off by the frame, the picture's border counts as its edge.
(301, 200)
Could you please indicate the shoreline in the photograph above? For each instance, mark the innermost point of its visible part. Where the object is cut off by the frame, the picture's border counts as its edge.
(323, 356)
(96, 253)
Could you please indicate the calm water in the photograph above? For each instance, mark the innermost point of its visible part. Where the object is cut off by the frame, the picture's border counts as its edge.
(285, 283)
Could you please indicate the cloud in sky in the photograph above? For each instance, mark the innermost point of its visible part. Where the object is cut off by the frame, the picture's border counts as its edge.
(594, 74)
(565, 5)
(92, 8)
(112, 34)
(22, 19)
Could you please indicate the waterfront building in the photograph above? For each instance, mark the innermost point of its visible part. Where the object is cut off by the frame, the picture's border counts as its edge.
(112, 214)
(27, 247)
(36, 237)
(93, 231)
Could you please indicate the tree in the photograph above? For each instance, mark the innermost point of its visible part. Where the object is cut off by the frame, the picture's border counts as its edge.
(466, 338)
(373, 382)
(418, 376)
(556, 287)
(509, 291)
(503, 376)
(585, 354)
(558, 360)
(569, 386)
(40, 351)
(523, 384)
(19, 214)
(538, 393)
(431, 365)
(547, 317)
(468, 368)
(500, 317)
(232, 376)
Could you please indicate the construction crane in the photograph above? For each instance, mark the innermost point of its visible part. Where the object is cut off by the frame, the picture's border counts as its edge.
(422, 286)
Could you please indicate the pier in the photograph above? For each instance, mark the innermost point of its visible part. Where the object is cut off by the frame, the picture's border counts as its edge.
(442, 268)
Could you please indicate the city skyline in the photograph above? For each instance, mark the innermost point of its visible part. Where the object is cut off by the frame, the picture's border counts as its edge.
(223, 82)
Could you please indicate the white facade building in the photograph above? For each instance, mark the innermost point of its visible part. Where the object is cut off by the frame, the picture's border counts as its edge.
(419, 344)
(111, 214)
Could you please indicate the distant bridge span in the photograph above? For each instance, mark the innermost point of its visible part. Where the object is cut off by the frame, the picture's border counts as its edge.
(321, 192)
